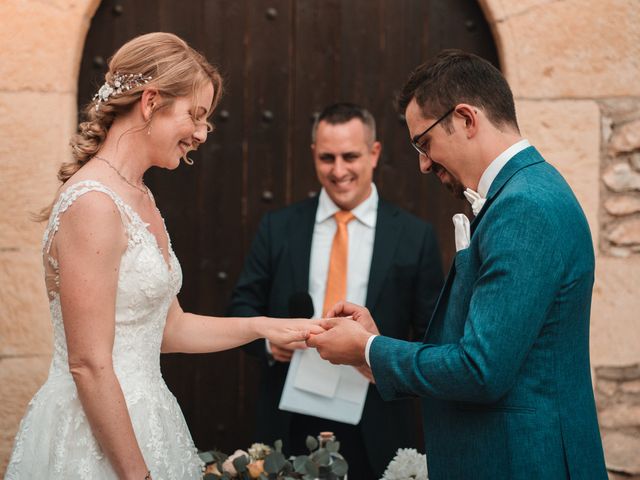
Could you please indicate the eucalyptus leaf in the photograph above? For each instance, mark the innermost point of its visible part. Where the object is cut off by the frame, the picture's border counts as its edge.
(333, 446)
(240, 463)
(339, 467)
(311, 468)
(274, 462)
(210, 476)
(322, 457)
(299, 463)
(312, 443)
(278, 445)
(206, 457)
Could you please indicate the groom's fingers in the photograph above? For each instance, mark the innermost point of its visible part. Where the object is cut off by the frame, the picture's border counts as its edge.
(343, 309)
(329, 323)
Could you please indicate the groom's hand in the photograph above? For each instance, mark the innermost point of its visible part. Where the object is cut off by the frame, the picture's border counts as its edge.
(343, 343)
(358, 313)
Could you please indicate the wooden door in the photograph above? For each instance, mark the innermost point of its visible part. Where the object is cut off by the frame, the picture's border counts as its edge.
(282, 60)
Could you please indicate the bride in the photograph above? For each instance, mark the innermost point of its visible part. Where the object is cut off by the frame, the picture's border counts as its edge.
(112, 278)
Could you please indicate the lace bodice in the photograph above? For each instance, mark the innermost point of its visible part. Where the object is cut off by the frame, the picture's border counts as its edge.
(146, 287)
(55, 438)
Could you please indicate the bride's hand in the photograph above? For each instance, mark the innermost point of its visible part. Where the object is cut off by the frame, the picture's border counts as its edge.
(281, 331)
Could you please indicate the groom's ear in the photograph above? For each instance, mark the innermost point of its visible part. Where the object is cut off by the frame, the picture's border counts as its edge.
(469, 116)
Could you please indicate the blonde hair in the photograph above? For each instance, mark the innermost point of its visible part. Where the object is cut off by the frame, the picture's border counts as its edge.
(176, 70)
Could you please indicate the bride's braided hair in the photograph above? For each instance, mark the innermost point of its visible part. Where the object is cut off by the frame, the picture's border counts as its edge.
(170, 65)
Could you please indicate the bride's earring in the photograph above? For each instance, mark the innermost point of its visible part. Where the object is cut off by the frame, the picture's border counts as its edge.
(150, 117)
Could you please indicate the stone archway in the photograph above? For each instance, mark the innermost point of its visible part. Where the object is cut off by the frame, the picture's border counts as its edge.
(544, 60)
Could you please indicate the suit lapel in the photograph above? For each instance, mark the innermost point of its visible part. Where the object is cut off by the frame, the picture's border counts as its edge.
(384, 245)
(528, 156)
(300, 237)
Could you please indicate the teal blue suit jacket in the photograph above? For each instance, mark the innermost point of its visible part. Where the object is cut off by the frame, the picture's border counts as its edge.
(504, 370)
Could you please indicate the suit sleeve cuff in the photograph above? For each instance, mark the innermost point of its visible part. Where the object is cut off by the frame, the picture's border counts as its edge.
(367, 348)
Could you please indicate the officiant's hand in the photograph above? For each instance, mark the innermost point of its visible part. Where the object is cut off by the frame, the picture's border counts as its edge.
(366, 372)
(282, 353)
(358, 313)
(343, 343)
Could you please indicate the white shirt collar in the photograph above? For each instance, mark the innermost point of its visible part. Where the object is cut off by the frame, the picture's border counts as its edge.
(496, 165)
(365, 213)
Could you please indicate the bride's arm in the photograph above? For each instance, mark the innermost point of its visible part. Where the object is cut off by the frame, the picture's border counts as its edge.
(190, 333)
(88, 247)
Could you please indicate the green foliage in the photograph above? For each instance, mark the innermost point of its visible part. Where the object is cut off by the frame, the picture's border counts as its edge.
(312, 443)
(339, 467)
(240, 463)
(274, 462)
(323, 462)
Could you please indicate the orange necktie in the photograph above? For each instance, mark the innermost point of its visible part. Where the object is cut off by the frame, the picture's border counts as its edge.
(337, 276)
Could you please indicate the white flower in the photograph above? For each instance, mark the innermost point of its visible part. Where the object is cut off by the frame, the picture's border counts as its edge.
(258, 451)
(408, 464)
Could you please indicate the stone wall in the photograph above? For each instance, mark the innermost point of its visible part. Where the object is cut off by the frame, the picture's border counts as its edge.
(621, 177)
(42, 45)
(574, 67)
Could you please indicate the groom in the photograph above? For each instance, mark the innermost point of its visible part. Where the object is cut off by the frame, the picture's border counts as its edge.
(503, 370)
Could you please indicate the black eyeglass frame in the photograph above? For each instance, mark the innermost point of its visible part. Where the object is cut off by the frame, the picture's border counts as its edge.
(415, 141)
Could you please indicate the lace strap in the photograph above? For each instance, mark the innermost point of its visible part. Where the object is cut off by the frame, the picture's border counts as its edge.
(70, 195)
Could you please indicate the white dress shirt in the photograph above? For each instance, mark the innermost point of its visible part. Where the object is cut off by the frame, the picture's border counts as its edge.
(361, 236)
(487, 178)
(362, 230)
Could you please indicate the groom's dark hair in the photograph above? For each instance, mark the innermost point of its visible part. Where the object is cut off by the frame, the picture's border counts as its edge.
(454, 77)
(344, 112)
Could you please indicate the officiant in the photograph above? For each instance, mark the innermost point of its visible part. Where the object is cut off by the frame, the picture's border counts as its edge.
(345, 243)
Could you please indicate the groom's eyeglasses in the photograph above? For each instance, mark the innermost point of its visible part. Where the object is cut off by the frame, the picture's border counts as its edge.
(415, 141)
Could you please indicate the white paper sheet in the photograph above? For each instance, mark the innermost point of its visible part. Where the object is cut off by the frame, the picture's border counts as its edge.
(346, 403)
(316, 375)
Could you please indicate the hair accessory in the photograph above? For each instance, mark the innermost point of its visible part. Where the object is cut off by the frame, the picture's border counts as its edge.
(120, 84)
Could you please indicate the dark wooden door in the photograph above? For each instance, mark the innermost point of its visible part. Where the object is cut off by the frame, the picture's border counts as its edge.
(283, 60)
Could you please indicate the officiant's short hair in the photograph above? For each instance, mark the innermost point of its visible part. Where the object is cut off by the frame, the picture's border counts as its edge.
(344, 112)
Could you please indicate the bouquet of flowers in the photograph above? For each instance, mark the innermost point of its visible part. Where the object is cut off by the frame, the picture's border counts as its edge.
(408, 464)
(264, 462)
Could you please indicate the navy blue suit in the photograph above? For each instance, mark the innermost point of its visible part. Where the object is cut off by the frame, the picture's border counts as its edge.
(404, 282)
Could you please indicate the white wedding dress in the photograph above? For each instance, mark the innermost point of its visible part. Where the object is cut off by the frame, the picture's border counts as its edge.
(54, 440)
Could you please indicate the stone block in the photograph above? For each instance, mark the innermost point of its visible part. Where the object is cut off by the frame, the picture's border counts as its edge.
(621, 451)
(622, 205)
(28, 181)
(626, 232)
(632, 387)
(620, 373)
(615, 335)
(622, 415)
(25, 323)
(619, 177)
(20, 379)
(550, 51)
(634, 160)
(620, 110)
(607, 388)
(625, 138)
(564, 132)
(43, 43)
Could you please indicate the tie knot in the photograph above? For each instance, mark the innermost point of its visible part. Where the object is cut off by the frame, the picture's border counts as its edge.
(343, 217)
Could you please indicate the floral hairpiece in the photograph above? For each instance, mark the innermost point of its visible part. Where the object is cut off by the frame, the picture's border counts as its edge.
(120, 84)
